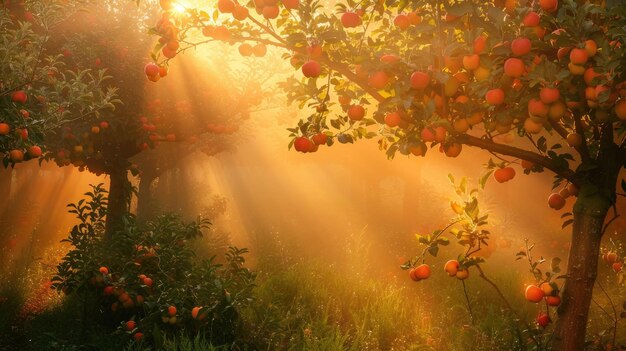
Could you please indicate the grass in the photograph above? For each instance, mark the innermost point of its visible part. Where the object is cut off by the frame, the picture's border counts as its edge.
(333, 303)
(312, 306)
(345, 303)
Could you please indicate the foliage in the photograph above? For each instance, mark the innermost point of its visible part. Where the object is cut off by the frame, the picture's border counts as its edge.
(148, 270)
(467, 228)
(114, 43)
(40, 91)
(373, 63)
(201, 116)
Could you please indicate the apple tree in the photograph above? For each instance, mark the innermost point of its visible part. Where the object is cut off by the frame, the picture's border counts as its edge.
(205, 125)
(175, 112)
(539, 84)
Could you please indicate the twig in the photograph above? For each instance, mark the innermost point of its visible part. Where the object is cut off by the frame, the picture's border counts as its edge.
(615, 216)
(532, 141)
(497, 289)
(438, 235)
(615, 319)
(469, 305)
(602, 308)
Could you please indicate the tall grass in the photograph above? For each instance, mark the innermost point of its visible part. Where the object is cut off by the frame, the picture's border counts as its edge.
(345, 302)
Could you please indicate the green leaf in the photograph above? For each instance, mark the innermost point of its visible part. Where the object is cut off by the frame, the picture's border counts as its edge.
(566, 223)
(433, 250)
(423, 240)
(483, 179)
(542, 144)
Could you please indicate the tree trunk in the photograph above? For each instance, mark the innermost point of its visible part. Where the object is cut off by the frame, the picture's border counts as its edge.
(144, 197)
(119, 201)
(582, 268)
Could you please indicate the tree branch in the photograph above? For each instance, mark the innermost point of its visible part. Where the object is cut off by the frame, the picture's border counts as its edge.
(533, 157)
(498, 291)
(346, 72)
(268, 30)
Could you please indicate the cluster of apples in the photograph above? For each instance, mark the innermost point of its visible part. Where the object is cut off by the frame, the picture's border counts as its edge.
(258, 50)
(169, 315)
(545, 291)
(557, 200)
(82, 147)
(120, 295)
(239, 12)
(195, 313)
(452, 267)
(78, 147)
(167, 31)
(421, 82)
(151, 127)
(220, 32)
(154, 72)
(131, 327)
(19, 154)
(128, 301)
(420, 272)
(548, 105)
(17, 11)
(600, 92)
(304, 144)
(269, 9)
(352, 19)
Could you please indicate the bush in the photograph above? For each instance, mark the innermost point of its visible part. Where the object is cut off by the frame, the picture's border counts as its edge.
(146, 281)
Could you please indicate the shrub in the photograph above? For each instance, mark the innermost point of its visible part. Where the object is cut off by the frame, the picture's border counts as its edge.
(147, 282)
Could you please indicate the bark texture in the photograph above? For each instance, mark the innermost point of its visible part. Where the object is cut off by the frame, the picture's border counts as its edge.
(119, 201)
(582, 269)
(144, 197)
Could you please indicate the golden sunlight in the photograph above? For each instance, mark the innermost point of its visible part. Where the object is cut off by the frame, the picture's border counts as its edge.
(312, 175)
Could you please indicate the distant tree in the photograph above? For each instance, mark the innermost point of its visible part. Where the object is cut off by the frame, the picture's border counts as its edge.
(148, 115)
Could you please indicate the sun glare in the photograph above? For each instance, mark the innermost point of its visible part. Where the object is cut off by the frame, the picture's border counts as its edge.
(178, 7)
